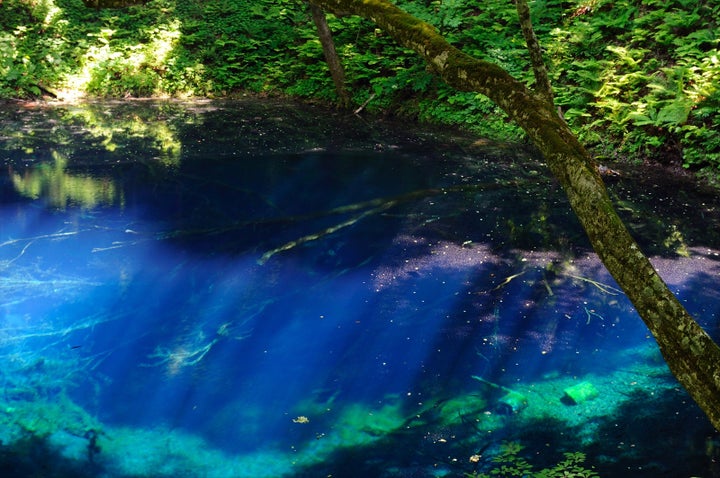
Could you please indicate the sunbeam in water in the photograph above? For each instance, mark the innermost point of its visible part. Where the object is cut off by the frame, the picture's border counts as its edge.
(226, 308)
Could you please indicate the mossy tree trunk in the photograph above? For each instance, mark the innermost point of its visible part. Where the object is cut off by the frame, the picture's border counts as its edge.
(690, 353)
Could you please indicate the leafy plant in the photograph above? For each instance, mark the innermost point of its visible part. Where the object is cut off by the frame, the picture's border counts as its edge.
(509, 464)
(634, 78)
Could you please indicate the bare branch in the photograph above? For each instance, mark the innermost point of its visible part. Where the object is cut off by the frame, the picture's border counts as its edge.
(689, 351)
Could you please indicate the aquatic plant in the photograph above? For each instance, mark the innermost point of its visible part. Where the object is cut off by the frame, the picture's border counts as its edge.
(508, 463)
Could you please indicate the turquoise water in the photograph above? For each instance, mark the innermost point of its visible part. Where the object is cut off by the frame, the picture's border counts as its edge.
(251, 289)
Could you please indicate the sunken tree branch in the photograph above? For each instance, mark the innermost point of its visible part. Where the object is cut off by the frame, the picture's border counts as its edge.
(689, 351)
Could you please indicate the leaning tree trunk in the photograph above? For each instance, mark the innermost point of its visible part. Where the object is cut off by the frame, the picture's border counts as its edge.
(689, 351)
(331, 57)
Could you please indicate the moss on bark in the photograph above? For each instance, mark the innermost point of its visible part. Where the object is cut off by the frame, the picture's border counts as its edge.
(690, 353)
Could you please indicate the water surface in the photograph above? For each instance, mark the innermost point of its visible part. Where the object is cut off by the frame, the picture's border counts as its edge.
(245, 288)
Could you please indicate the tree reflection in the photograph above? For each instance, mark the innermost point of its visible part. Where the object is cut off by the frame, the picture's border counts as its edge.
(61, 188)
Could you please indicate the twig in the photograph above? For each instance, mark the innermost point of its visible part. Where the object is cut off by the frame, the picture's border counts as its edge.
(55, 235)
(508, 280)
(591, 314)
(608, 289)
(362, 106)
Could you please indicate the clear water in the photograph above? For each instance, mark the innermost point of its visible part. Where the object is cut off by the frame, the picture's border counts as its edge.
(250, 289)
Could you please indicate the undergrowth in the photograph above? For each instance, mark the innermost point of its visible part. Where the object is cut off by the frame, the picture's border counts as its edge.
(509, 464)
(635, 79)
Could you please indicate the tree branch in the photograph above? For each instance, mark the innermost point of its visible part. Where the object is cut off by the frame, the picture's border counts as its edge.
(691, 354)
(331, 57)
(542, 81)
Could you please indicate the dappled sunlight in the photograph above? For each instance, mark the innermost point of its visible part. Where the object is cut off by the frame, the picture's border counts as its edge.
(192, 348)
(442, 255)
(139, 65)
(52, 11)
(271, 315)
(44, 11)
(678, 271)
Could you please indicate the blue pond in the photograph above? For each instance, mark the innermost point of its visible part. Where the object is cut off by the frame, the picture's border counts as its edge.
(252, 289)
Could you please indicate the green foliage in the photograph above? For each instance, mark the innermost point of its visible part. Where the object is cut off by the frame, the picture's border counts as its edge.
(27, 56)
(509, 464)
(635, 78)
(644, 78)
(17, 70)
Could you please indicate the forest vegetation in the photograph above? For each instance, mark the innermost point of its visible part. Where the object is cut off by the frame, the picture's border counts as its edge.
(635, 79)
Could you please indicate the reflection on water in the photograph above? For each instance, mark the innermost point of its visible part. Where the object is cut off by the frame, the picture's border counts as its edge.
(245, 289)
(60, 188)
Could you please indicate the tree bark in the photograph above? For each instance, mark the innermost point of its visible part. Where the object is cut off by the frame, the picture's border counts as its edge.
(331, 57)
(689, 351)
(542, 81)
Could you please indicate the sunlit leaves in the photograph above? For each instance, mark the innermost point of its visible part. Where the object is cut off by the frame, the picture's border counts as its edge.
(648, 86)
(633, 77)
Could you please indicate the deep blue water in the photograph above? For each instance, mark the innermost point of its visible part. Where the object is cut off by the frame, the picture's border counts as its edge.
(244, 289)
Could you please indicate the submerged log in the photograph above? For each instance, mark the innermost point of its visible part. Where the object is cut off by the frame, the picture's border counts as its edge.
(691, 354)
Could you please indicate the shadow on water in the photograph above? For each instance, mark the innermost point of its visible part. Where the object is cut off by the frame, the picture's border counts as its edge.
(253, 289)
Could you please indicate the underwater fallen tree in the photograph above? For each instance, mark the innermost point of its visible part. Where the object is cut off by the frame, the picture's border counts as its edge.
(692, 356)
